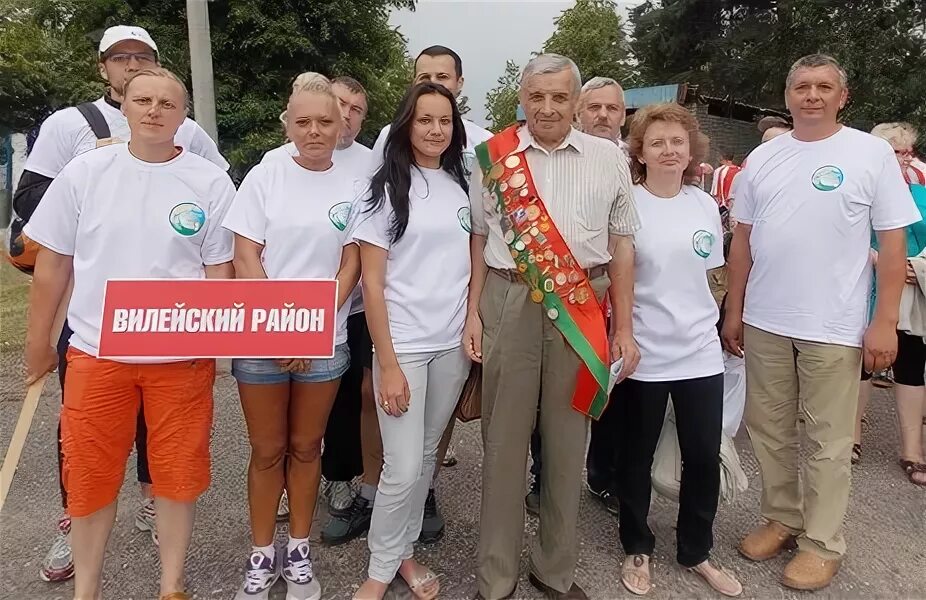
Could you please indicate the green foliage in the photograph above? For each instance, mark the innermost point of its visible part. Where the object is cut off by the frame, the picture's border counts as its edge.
(591, 34)
(48, 52)
(745, 49)
(502, 100)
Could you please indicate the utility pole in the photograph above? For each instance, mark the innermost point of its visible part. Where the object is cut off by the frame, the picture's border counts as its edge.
(197, 14)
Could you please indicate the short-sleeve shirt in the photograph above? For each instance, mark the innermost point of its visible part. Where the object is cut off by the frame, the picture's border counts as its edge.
(428, 268)
(355, 158)
(584, 184)
(302, 218)
(121, 217)
(674, 313)
(812, 207)
(66, 134)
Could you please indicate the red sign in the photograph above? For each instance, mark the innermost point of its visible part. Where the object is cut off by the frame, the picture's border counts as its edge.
(219, 318)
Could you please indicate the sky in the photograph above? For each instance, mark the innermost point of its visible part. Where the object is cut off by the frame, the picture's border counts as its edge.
(485, 33)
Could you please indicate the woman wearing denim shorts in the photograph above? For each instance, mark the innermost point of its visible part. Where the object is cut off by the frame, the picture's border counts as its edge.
(290, 219)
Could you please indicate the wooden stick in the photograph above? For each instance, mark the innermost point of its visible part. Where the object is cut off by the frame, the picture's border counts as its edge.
(13, 453)
(31, 403)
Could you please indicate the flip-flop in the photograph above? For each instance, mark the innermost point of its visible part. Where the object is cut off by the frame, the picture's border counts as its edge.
(417, 584)
(910, 468)
(724, 583)
(636, 565)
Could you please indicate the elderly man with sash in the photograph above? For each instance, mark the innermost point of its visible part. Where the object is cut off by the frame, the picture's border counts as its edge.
(552, 220)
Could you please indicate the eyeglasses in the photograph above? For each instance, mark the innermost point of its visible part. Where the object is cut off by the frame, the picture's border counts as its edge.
(904, 153)
(122, 58)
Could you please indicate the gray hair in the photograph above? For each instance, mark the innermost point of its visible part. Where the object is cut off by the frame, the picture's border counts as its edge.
(543, 64)
(812, 61)
(902, 134)
(596, 83)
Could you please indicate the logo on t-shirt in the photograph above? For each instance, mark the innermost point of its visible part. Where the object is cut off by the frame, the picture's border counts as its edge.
(187, 218)
(340, 215)
(702, 242)
(464, 216)
(827, 178)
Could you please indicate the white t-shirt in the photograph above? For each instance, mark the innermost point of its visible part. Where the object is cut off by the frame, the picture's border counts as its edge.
(66, 134)
(303, 219)
(475, 135)
(121, 217)
(355, 157)
(812, 206)
(674, 314)
(427, 270)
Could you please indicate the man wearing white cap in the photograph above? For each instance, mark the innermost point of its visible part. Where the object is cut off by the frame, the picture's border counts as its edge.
(123, 51)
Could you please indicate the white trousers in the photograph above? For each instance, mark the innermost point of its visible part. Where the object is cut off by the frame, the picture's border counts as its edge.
(409, 453)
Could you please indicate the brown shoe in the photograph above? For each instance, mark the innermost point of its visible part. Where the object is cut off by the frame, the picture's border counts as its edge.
(766, 541)
(809, 571)
(177, 596)
(574, 593)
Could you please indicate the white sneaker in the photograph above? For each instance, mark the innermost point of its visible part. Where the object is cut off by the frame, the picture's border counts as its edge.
(261, 572)
(146, 519)
(59, 564)
(301, 583)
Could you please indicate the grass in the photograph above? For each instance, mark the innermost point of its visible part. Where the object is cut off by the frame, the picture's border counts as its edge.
(14, 301)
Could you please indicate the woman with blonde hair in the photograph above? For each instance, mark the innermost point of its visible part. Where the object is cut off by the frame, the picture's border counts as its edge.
(291, 221)
(909, 384)
(675, 326)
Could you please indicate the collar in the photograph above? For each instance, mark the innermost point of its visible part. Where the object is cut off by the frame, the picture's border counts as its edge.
(573, 139)
(111, 102)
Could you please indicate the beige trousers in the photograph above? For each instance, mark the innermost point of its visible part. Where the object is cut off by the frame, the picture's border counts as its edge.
(525, 361)
(785, 378)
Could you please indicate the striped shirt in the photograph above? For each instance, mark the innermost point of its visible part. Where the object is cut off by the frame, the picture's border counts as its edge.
(584, 184)
(916, 172)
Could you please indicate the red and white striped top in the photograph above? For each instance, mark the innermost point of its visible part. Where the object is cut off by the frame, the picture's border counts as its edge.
(916, 172)
(723, 183)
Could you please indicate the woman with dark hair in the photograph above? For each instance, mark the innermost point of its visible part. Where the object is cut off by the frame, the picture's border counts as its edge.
(674, 324)
(414, 248)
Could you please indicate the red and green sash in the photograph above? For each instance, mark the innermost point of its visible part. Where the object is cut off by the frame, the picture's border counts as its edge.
(544, 261)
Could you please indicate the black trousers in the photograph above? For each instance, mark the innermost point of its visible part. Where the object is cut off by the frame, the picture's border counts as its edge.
(342, 459)
(698, 407)
(141, 430)
(604, 448)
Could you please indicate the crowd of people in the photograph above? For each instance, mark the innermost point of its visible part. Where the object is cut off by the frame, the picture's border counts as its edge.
(567, 269)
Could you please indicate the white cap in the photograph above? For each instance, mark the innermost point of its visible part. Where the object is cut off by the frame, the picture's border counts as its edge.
(121, 33)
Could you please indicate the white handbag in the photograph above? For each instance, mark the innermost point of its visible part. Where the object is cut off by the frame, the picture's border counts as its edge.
(667, 464)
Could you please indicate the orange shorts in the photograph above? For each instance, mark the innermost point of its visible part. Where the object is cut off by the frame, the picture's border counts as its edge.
(101, 403)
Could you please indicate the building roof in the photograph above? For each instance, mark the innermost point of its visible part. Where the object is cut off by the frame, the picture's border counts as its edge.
(684, 93)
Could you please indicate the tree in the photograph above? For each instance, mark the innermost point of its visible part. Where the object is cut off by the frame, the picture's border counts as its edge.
(744, 49)
(502, 100)
(591, 34)
(258, 47)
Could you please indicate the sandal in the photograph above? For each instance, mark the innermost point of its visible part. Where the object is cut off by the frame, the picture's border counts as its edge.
(721, 580)
(637, 566)
(911, 469)
(419, 585)
(856, 454)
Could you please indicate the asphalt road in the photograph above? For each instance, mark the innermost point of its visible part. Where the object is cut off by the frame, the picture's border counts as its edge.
(886, 524)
